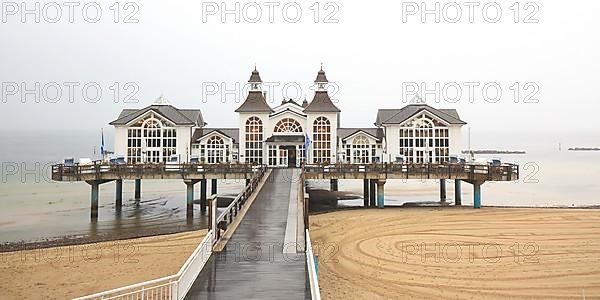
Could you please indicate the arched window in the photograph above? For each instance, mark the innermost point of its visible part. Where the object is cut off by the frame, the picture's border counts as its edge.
(254, 140)
(424, 140)
(151, 140)
(360, 151)
(215, 148)
(360, 140)
(321, 140)
(288, 125)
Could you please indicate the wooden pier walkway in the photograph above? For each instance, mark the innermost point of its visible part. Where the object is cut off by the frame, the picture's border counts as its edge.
(253, 265)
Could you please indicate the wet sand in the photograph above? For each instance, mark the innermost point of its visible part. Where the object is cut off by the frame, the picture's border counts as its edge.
(458, 253)
(72, 271)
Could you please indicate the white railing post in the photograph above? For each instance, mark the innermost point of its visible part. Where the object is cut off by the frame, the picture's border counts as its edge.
(315, 292)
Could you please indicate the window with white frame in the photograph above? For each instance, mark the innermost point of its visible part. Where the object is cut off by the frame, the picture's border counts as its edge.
(288, 125)
(321, 141)
(424, 140)
(216, 150)
(254, 140)
(151, 139)
(361, 151)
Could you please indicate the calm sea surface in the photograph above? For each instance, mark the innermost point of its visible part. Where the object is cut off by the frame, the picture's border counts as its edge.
(33, 208)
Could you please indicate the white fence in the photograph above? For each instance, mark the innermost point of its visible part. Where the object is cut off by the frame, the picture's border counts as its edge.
(175, 287)
(169, 287)
(315, 292)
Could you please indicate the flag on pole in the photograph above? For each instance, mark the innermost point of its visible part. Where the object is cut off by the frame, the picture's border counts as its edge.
(307, 142)
(102, 145)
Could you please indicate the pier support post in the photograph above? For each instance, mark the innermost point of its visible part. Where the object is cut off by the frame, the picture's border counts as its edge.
(95, 184)
(443, 190)
(476, 195)
(373, 192)
(380, 194)
(138, 189)
(119, 193)
(203, 202)
(457, 193)
(248, 181)
(366, 192)
(333, 185)
(213, 186)
(190, 196)
(94, 202)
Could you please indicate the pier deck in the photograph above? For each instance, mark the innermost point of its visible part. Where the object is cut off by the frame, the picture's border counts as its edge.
(106, 172)
(465, 172)
(252, 265)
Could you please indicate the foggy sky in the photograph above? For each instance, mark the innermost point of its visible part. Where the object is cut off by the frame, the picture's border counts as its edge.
(368, 54)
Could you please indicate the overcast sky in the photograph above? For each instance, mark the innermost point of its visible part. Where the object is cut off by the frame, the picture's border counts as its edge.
(374, 57)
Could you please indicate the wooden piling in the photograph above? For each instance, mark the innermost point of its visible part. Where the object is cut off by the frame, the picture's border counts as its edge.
(119, 193)
(457, 193)
(203, 202)
(476, 195)
(373, 191)
(380, 194)
(213, 186)
(138, 189)
(366, 192)
(94, 199)
(443, 190)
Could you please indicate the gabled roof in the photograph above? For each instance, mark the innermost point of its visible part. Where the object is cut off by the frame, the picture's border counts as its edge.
(255, 102)
(376, 133)
(321, 103)
(192, 117)
(233, 133)
(287, 110)
(398, 116)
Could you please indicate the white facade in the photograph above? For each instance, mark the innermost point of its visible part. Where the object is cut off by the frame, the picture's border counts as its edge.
(422, 138)
(277, 136)
(155, 134)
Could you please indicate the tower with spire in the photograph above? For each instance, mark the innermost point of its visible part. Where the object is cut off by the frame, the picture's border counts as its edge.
(254, 111)
(321, 107)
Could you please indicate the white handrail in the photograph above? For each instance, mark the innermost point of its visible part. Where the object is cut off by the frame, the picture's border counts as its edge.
(315, 292)
(179, 284)
(178, 287)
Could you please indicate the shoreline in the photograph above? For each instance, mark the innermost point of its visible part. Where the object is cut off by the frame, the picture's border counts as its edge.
(78, 240)
(75, 240)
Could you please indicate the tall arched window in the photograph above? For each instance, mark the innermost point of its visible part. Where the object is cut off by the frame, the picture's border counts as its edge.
(254, 140)
(424, 139)
(321, 140)
(215, 150)
(288, 125)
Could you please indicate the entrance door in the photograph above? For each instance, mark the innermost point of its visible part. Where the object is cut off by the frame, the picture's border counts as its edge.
(153, 155)
(291, 155)
(419, 156)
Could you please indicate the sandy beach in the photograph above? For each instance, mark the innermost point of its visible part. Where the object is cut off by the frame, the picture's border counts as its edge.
(72, 271)
(458, 253)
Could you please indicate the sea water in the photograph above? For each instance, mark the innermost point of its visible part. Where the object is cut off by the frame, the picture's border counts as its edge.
(34, 208)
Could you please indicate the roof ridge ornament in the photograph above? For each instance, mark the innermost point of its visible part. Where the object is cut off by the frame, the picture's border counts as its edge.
(162, 100)
(417, 100)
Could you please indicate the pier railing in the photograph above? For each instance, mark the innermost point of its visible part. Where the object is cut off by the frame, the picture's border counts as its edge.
(178, 285)
(104, 171)
(471, 172)
(233, 209)
(313, 273)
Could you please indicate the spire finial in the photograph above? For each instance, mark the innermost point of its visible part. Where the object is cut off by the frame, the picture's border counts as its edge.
(254, 66)
(321, 66)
